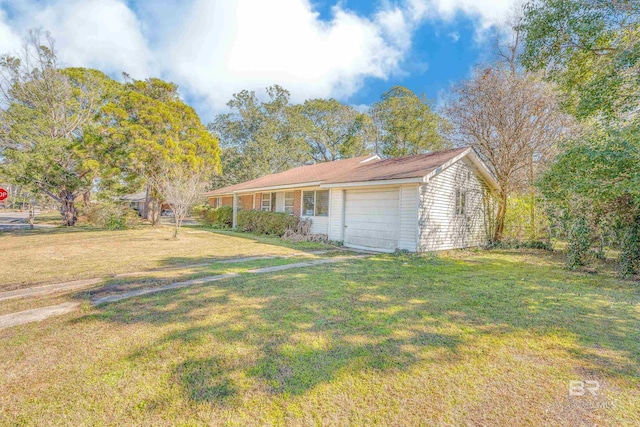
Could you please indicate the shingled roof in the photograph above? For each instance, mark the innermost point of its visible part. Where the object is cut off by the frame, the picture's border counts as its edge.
(416, 166)
(357, 169)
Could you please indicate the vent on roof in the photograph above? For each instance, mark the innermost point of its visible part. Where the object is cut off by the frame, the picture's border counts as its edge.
(368, 159)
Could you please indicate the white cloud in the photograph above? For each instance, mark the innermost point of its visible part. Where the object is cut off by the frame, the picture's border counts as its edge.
(228, 46)
(9, 40)
(454, 35)
(213, 48)
(103, 34)
(487, 12)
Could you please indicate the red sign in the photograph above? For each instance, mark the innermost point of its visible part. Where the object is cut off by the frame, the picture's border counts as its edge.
(3, 194)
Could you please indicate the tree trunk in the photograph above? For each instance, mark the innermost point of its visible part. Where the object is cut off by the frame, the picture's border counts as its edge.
(68, 209)
(147, 203)
(154, 213)
(534, 233)
(502, 210)
(177, 222)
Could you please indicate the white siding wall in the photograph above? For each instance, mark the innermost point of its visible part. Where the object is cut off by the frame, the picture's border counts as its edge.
(319, 224)
(440, 227)
(408, 239)
(336, 215)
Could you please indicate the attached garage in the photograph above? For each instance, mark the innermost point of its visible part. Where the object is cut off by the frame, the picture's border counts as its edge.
(372, 219)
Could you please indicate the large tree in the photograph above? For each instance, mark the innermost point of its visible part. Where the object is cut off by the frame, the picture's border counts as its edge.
(258, 137)
(591, 48)
(44, 113)
(152, 130)
(514, 122)
(405, 124)
(595, 181)
(331, 129)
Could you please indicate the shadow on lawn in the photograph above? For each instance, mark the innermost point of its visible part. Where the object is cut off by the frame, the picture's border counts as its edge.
(298, 330)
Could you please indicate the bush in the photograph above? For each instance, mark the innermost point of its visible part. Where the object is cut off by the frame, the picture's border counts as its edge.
(302, 233)
(221, 217)
(263, 222)
(579, 248)
(110, 216)
(517, 244)
(630, 251)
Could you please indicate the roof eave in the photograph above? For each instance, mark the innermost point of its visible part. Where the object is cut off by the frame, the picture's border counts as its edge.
(445, 165)
(484, 171)
(261, 189)
(378, 182)
(471, 154)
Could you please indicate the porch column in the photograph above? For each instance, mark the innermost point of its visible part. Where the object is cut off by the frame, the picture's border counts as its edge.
(235, 210)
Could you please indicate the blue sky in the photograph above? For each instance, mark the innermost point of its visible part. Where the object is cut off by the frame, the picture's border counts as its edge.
(352, 50)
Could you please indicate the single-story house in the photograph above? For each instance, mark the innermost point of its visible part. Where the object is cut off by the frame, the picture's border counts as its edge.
(138, 202)
(417, 203)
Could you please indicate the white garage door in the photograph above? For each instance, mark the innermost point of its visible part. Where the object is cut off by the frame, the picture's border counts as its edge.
(371, 219)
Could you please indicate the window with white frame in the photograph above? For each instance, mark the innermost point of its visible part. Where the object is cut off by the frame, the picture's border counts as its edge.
(217, 202)
(308, 203)
(315, 203)
(322, 203)
(288, 202)
(461, 201)
(266, 202)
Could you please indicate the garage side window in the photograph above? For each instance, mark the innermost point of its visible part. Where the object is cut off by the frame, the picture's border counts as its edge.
(461, 201)
(308, 203)
(315, 203)
(288, 202)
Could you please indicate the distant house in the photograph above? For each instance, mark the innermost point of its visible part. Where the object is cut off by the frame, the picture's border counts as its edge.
(416, 203)
(136, 201)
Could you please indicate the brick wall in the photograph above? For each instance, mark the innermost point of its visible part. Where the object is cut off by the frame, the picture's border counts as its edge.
(227, 201)
(245, 202)
(258, 201)
(297, 202)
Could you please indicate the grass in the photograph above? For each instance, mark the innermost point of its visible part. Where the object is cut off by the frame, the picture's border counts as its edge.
(34, 257)
(463, 338)
(151, 279)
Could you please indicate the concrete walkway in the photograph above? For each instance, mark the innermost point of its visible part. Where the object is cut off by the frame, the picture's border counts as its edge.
(39, 314)
(48, 289)
(79, 284)
(209, 279)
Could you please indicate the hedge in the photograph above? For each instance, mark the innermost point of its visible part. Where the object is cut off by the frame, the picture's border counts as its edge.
(264, 222)
(221, 217)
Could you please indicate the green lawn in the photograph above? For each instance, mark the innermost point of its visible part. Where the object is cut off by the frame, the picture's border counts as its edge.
(464, 338)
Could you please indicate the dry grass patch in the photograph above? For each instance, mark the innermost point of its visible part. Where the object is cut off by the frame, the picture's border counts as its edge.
(57, 255)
